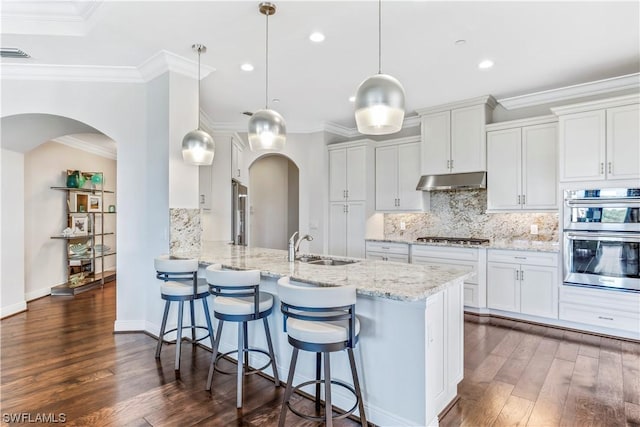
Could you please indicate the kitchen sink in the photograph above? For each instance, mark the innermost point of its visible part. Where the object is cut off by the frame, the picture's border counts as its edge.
(316, 260)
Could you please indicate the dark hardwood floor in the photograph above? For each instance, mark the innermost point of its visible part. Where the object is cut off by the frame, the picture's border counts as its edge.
(61, 357)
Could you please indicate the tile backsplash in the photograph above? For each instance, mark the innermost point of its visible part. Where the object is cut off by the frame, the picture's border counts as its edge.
(462, 214)
(185, 230)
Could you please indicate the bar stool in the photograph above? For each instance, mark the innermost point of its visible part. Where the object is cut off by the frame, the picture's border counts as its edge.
(180, 277)
(238, 299)
(321, 320)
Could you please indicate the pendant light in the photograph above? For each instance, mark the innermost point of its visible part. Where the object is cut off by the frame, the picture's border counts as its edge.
(379, 100)
(267, 130)
(198, 147)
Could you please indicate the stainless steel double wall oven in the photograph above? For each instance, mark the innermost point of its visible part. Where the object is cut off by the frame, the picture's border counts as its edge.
(602, 238)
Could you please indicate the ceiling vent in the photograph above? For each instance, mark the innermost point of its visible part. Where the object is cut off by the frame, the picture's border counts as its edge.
(13, 52)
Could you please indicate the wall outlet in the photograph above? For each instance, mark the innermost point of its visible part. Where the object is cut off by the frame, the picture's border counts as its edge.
(534, 229)
(403, 226)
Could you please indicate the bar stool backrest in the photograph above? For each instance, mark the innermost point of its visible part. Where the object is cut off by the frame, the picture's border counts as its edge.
(175, 269)
(318, 304)
(234, 283)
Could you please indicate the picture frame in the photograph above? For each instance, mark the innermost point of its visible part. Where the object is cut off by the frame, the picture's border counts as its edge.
(80, 225)
(94, 203)
(80, 202)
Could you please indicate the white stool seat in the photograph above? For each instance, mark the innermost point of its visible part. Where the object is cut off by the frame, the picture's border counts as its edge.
(182, 289)
(320, 332)
(242, 305)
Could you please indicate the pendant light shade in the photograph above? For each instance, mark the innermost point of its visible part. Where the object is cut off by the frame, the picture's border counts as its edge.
(379, 100)
(267, 129)
(198, 147)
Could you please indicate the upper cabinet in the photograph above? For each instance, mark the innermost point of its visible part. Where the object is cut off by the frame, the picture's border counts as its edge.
(453, 136)
(522, 165)
(347, 173)
(397, 172)
(600, 140)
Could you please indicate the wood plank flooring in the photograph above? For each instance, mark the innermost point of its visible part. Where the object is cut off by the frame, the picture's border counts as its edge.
(61, 356)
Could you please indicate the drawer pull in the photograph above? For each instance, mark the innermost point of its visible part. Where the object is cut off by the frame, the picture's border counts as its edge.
(385, 247)
(520, 257)
(605, 318)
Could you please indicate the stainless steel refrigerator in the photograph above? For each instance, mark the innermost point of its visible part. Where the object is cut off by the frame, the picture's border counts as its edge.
(239, 213)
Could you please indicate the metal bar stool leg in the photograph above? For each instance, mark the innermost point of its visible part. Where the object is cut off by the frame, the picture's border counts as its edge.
(212, 366)
(356, 385)
(241, 354)
(245, 331)
(318, 371)
(289, 389)
(272, 355)
(193, 322)
(207, 317)
(179, 334)
(163, 326)
(328, 409)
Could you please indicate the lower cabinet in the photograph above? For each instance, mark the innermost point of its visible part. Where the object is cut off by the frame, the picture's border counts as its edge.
(523, 282)
(347, 229)
(387, 251)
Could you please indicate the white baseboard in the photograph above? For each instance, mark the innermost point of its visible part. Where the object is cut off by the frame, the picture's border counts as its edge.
(129, 326)
(13, 309)
(38, 293)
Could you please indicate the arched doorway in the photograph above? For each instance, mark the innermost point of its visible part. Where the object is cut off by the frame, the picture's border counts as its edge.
(273, 201)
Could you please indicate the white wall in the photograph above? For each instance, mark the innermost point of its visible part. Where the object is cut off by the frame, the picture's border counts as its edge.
(45, 167)
(11, 227)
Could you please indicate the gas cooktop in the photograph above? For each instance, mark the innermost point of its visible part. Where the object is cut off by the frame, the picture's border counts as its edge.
(456, 240)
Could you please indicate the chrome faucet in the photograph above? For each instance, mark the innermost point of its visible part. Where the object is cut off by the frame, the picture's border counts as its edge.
(294, 245)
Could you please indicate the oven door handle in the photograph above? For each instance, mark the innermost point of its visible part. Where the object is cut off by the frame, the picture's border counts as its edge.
(606, 237)
(604, 203)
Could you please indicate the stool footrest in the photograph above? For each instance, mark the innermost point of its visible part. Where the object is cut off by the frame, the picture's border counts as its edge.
(250, 371)
(185, 338)
(321, 418)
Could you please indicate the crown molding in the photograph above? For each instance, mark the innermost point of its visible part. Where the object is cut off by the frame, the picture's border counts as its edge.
(79, 144)
(531, 121)
(160, 63)
(629, 81)
(618, 101)
(61, 18)
(396, 141)
(489, 100)
(347, 132)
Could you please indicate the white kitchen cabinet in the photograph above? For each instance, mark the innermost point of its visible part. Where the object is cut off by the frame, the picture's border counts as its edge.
(522, 165)
(236, 160)
(523, 282)
(397, 172)
(205, 186)
(599, 140)
(347, 173)
(347, 229)
(453, 136)
(387, 251)
(469, 259)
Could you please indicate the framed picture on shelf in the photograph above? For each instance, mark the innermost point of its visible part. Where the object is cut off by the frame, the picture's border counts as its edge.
(80, 225)
(95, 203)
(80, 202)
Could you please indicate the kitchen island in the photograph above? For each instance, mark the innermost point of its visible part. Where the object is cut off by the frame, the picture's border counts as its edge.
(410, 353)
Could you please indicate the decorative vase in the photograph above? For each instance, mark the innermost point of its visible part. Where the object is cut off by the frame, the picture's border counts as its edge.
(72, 179)
(96, 179)
(81, 180)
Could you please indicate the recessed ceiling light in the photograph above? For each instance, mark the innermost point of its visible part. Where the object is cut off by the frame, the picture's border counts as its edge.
(352, 99)
(485, 64)
(460, 42)
(316, 37)
(246, 67)
(275, 100)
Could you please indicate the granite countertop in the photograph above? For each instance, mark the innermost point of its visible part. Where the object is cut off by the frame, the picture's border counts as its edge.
(397, 281)
(518, 245)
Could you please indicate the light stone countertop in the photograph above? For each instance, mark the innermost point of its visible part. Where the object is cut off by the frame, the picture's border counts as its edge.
(517, 245)
(397, 281)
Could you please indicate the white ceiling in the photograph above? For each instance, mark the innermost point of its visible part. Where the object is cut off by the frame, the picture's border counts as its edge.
(535, 46)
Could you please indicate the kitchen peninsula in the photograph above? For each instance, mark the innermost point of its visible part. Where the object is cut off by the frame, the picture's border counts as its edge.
(410, 353)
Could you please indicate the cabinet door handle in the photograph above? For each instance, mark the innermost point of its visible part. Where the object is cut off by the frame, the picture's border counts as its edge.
(521, 275)
(524, 199)
(601, 168)
(344, 194)
(448, 163)
(610, 168)
(518, 199)
(605, 318)
(451, 163)
(202, 199)
(238, 173)
(346, 207)
(347, 194)
(516, 274)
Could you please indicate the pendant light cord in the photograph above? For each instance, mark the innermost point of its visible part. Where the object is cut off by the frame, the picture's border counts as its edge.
(199, 50)
(266, 91)
(379, 36)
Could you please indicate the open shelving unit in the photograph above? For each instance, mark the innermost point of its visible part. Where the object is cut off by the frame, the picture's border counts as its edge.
(86, 218)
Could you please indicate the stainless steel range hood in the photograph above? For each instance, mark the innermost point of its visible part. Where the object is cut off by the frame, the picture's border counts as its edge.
(453, 181)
